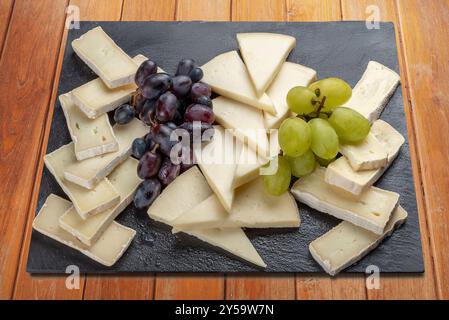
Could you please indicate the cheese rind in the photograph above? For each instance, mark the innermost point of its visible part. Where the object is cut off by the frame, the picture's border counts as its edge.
(86, 202)
(290, 75)
(105, 58)
(373, 91)
(346, 243)
(264, 54)
(371, 210)
(125, 180)
(227, 75)
(91, 138)
(88, 173)
(94, 98)
(107, 250)
(367, 155)
(340, 173)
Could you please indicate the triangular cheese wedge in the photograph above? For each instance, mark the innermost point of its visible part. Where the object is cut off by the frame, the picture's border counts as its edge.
(264, 54)
(227, 75)
(290, 75)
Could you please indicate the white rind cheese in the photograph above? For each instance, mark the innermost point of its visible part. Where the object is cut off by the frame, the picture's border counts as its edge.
(86, 202)
(90, 137)
(94, 98)
(367, 155)
(290, 75)
(346, 244)
(264, 54)
(340, 173)
(125, 180)
(88, 173)
(107, 250)
(371, 210)
(105, 58)
(227, 75)
(373, 91)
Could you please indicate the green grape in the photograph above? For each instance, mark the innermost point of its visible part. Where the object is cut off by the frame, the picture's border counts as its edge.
(336, 91)
(301, 100)
(350, 126)
(302, 165)
(324, 162)
(324, 139)
(294, 137)
(279, 182)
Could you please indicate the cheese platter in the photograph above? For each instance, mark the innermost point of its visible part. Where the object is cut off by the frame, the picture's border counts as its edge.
(228, 217)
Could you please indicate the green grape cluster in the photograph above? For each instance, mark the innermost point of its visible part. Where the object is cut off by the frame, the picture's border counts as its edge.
(313, 137)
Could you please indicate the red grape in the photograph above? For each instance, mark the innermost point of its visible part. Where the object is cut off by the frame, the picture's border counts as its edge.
(155, 85)
(166, 107)
(146, 69)
(198, 112)
(200, 89)
(184, 67)
(146, 193)
(168, 172)
(181, 85)
(149, 165)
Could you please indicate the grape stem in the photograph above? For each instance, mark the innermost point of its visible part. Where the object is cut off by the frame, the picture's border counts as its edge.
(321, 106)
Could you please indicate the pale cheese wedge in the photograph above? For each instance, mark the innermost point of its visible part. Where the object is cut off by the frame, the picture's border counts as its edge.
(252, 208)
(109, 248)
(227, 75)
(105, 58)
(88, 173)
(94, 98)
(290, 75)
(371, 210)
(125, 180)
(346, 244)
(373, 91)
(340, 173)
(86, 202)
(247, 123)
(90, 137)
(367, 155)
(264, 54)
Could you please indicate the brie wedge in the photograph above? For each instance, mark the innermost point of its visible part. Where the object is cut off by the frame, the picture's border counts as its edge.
(371, 210)
(95, 98)
(105, 58)
(346, 244)
(264, 54)
(125, 180)
(90, 137)
(86, 202)
(340, 173)
(373, 91)
(227, 75)
(107, 250)
(290, 75)
(367, 155)
(88, 173)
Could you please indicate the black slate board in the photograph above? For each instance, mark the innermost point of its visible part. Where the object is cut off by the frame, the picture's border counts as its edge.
(340, 49)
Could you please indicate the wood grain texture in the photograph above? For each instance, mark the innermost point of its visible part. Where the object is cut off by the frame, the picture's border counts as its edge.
(312, 10)
(6, 7)
(218, 10)
(400, 286)
(198, 286)
(99, 10)
(260, 10)
(143, 10)
(139, 287)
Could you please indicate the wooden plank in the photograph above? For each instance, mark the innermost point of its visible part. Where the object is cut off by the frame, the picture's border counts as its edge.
(399, 286)
(139, 287)
(423, 35)
(6, 8)
(99, 10)
(26, 81)
(260, 10)
(218, 10)
(143, 10)
(312, 10)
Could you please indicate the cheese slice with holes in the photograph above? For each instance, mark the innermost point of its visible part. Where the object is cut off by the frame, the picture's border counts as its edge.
(105, 58)
(264, 54)
(125, 180)
(340, 173)
(90, 137)
(88, 173)
(367, 155)
(252, 208)
(86, 202)
(373, 91)
(290, 75)
(371, 210)
(112, 244)
(346, 244)
(227, 75)
(94, 98)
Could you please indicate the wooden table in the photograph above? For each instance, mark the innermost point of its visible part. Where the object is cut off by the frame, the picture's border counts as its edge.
(32, 35)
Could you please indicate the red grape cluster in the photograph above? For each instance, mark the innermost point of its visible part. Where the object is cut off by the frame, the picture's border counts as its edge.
(165, 103)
